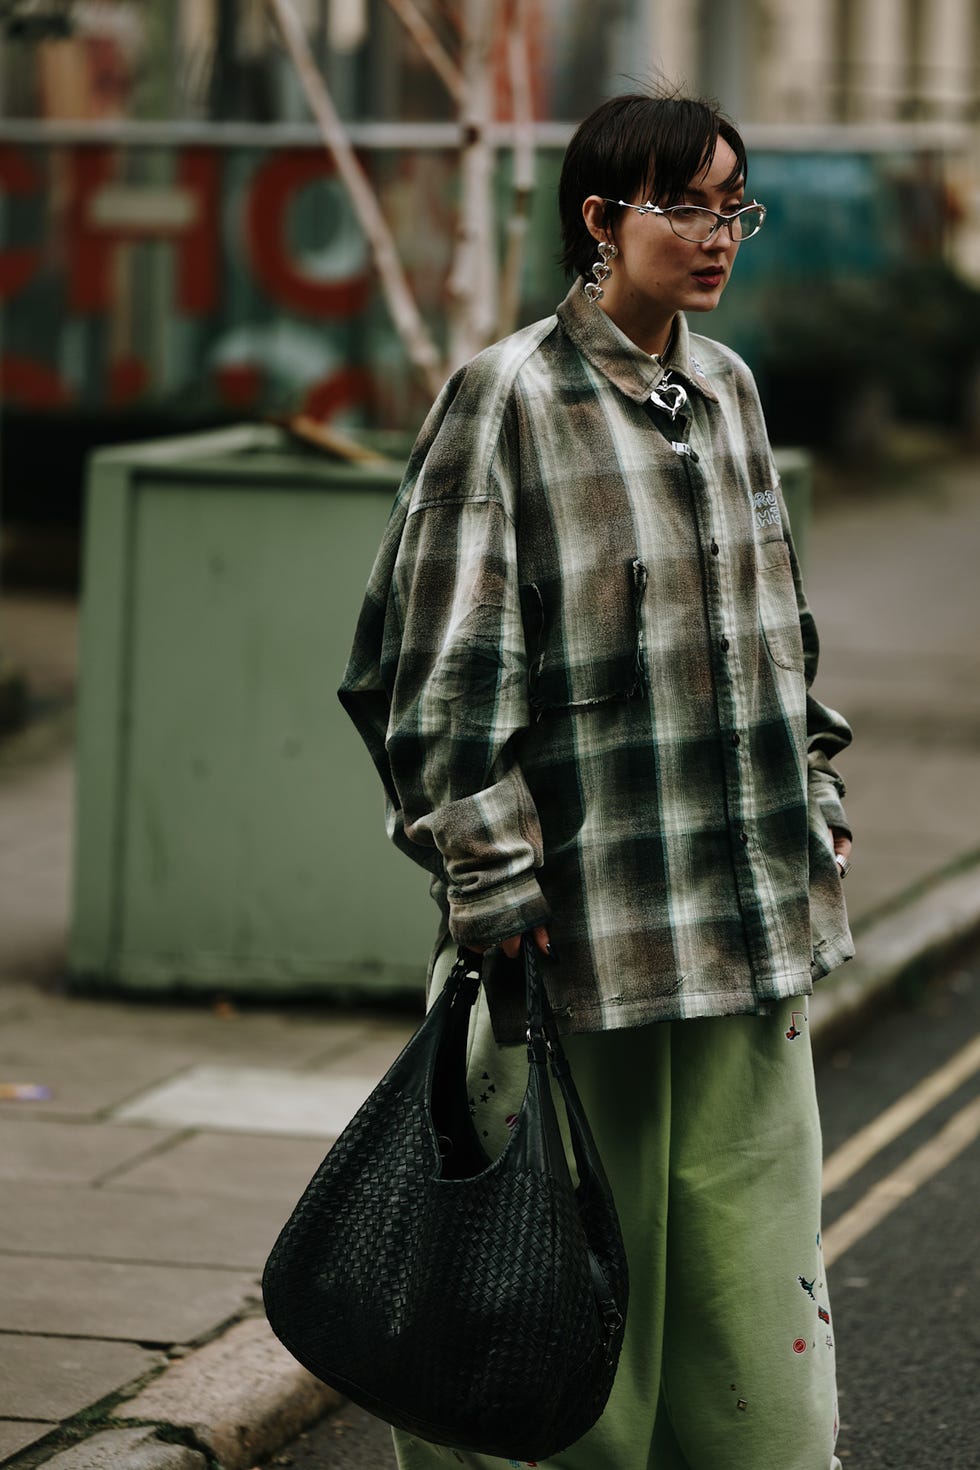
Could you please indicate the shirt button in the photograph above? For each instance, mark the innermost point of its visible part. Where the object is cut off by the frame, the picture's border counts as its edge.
(725, 645)
(714, 548)
(743, 837)
(736, 738)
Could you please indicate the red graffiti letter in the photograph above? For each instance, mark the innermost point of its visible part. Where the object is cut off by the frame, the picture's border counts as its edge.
(31, 384)
(16, 266)
(265, 234)
(92, 244)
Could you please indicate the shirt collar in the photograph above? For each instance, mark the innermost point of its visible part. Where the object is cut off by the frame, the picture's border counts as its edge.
(610, 351)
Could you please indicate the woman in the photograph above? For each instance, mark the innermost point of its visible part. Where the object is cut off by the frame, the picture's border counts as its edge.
(583, 669)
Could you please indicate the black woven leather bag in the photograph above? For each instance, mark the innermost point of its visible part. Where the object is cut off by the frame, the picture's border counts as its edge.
(476, 1303)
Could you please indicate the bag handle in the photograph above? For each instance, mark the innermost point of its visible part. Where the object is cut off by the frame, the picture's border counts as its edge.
(544, 1042)
(544, 1047)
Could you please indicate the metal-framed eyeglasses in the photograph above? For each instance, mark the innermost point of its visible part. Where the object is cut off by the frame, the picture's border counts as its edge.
(692, 222)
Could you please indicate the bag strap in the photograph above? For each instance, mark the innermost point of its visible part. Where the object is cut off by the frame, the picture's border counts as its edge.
(544, 1048)
(544, 1041)
(465, 977)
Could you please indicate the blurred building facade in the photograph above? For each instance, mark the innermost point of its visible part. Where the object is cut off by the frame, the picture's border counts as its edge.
(176, 247)
(770, 61)
(829, 61)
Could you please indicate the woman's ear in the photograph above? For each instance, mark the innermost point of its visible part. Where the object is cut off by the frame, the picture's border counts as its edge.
(594, 214)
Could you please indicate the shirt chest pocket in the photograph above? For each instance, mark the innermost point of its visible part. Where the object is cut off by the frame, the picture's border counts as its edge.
(778, 612)
(584, 636)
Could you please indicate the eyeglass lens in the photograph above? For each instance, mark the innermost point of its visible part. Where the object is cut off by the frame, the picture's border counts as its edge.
(691, 223)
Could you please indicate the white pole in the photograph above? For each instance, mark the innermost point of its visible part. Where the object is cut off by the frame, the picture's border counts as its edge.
(419, 345)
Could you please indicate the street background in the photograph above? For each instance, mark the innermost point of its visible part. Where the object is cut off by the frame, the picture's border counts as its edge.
(141, 1199)
(192, 1003)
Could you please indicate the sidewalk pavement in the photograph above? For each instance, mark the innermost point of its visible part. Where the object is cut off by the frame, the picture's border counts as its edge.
(141, 1198)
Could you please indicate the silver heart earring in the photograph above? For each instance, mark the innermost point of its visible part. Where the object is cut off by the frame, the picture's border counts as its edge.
(602, 270)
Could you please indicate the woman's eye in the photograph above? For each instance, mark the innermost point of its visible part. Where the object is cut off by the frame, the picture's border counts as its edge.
(686, 212)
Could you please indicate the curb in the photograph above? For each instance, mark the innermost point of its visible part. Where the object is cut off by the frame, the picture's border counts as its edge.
(229, 1405)
(238, 1399)
(904, 941)
(241, 1398)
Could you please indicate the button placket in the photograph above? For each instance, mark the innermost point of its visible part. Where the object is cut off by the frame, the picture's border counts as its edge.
(727, 677)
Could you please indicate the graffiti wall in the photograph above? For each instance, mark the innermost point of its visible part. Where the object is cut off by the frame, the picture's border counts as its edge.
(202, 278)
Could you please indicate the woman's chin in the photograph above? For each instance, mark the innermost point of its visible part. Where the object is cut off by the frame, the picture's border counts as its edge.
(704, 302)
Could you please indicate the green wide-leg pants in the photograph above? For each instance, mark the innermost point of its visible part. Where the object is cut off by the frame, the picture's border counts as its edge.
(709, 1133)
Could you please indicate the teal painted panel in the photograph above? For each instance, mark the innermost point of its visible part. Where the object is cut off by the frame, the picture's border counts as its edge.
(247, 849)
(254, 827)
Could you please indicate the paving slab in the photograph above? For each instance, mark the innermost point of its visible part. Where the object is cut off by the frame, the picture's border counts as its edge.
(11, 1000)
(127, 1449)
(17, 1434)
(228, 1166)
(261, 1037)
(78, 1153)
(373, 1056)
(252, 1100)
(41, 633)
(86, 1073)
(197, 1032)
(241, 1395)
(35, 866)
(144, 1304)
(893, 586)
(137, 1227)
(899, 842)
(52, 1378)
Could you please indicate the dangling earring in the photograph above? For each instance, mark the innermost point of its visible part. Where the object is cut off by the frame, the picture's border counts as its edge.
(602, 270)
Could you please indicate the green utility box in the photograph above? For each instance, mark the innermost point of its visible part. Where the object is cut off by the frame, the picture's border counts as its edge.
(230, 833)
(795, 468)
(230, 827)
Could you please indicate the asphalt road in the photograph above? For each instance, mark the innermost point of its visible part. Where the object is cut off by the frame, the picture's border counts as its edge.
(905, 1296)
(905, 1293)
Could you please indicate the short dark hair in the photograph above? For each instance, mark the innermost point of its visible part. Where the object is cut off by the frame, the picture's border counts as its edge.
(633, 143)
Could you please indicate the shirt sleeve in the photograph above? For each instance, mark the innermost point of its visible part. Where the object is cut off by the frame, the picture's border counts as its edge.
(440, 663)
(827, 732)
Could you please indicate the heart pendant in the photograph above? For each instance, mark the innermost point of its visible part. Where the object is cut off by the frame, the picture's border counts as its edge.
(671, 397)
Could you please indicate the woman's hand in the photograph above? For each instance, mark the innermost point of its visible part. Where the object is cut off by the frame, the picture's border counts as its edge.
(842, 849)
(512, 946)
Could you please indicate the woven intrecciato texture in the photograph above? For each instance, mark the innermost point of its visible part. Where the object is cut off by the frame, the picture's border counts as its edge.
(462, 1309)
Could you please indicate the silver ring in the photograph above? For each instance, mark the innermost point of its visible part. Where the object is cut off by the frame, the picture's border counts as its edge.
(843, 864)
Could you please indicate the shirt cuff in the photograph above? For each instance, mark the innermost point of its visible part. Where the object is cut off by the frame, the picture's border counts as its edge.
(487, 916)
(824, 793)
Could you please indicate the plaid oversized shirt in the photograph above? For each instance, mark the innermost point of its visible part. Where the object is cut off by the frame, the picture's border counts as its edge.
(583, 670)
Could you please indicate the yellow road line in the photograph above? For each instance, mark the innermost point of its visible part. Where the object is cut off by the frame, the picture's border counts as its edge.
(855, 1153)
(889, 1193)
